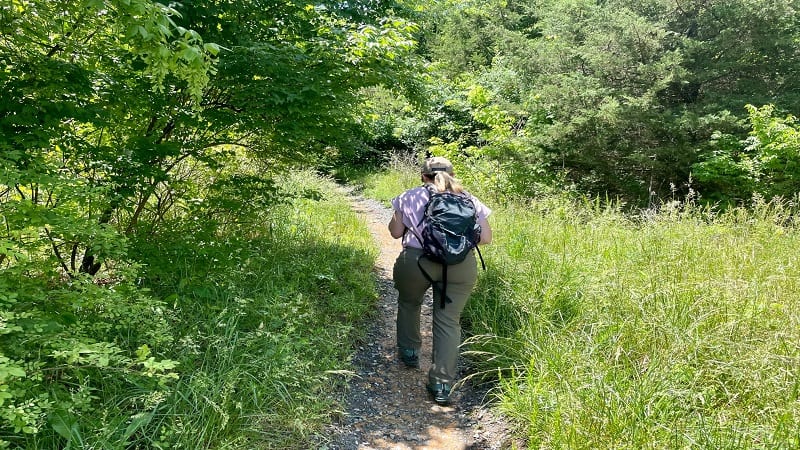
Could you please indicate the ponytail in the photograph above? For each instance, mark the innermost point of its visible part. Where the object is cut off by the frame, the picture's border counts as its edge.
(446, 182)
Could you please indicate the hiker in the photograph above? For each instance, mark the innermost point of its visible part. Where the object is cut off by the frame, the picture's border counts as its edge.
(414, 275)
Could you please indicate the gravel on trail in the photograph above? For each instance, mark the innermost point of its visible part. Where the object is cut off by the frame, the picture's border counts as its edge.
(387, 405)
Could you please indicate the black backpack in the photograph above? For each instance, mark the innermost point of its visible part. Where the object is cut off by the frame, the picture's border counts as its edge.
(450, 230)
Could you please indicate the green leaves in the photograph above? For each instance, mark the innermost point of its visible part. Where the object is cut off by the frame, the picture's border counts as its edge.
(767, 163)
(615, 97)
(295, 71)
(8, 370)
(115, 129)
(66, 425)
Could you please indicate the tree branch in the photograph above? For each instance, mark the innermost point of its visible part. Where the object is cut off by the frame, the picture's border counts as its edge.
(57, 253)
(56, 48)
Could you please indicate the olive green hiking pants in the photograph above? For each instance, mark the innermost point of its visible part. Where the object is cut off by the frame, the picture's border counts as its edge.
(411, 286)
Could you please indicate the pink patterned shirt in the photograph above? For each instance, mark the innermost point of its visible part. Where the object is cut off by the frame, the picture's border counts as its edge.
(411, 205)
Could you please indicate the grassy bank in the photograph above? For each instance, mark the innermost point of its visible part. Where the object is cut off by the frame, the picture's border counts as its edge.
(674, 329)
(264, 318)
(230, 335)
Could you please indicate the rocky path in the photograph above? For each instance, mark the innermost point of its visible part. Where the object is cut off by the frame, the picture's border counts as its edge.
(387, 404)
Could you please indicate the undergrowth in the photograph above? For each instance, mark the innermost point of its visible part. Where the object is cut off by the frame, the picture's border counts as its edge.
(673, 328)
(263, 321)
(231, 335)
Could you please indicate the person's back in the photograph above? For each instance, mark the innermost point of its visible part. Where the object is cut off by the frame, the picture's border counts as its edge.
(414, 274)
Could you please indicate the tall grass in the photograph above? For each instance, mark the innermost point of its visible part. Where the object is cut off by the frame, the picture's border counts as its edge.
(265, 317)
(401, 173)
(678, 331)
(674, 329)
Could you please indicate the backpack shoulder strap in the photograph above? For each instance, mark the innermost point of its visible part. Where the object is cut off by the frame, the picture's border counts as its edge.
(431, 191)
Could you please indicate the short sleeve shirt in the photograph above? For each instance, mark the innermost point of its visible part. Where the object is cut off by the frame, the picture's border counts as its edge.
(411, 205)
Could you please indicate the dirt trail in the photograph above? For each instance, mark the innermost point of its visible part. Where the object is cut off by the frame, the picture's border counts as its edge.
(387, 404)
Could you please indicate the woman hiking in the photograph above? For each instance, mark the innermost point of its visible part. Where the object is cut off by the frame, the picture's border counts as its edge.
(414, 275)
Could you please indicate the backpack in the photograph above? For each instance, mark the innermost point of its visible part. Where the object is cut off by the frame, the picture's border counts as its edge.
(450, 230)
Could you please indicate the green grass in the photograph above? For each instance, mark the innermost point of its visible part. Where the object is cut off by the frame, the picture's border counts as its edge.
(224, 335)
(676, 329)
(398, 175)
(265, 318)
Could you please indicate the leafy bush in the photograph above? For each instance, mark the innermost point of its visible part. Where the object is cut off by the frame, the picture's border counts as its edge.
(767, 163)
(67, 346)
(229, 336)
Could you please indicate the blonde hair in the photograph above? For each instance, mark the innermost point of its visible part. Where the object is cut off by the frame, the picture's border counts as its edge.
(439, 170)
(446, 182)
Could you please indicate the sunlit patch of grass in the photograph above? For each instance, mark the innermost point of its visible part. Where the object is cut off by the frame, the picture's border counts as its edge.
(669, 332)
(400, 174)
(678, 328)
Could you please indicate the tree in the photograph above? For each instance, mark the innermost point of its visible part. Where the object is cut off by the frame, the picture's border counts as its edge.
(621, 97)
(114, 113)
(121, 101)
(76, 79)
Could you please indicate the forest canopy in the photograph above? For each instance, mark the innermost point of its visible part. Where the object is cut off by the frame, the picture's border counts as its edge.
(619, 98)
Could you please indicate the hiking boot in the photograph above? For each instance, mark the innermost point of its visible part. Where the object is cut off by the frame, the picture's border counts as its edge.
(410, 357)
(440, 392)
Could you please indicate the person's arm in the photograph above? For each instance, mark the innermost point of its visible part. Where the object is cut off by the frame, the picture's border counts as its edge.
(486, 231)
(396, 227)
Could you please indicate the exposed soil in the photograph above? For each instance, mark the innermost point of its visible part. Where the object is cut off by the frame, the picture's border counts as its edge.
(387, 404)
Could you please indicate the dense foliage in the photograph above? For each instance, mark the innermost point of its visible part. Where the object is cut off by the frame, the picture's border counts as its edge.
(766, 164)
(121, 123)
(138, 138)
(617, 97)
